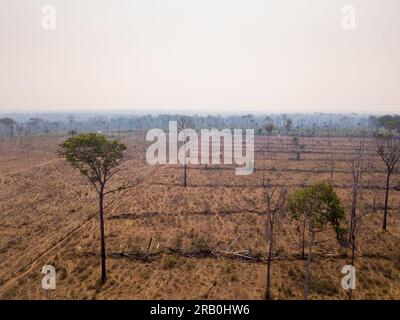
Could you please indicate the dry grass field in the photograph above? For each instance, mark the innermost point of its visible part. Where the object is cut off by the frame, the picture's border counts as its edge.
(48, 215)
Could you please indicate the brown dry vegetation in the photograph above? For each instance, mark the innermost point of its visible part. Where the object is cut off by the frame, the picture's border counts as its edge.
(48, 215)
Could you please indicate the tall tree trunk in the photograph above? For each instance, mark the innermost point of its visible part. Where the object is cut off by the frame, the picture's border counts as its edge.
(184, 174)
(263, 173)
(271, 242)
(308, 265)
(184, 166)
(303, 240)
(386, 200)
(332, 171)
(374, 205)
(353, 214)
(353, 252)
(103, 245)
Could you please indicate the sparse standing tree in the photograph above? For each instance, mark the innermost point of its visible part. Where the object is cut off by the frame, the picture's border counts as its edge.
(296, 147)
(98, 159)
(269, 127)
(332, 162)
(357, 170)
(388, 148)
(184, 122)
(320, 205)
(357, 220)
(275, 198)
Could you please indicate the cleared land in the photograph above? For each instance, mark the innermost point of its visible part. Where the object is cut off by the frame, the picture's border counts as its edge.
(48, 215)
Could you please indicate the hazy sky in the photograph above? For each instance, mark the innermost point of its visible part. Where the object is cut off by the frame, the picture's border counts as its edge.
(201, 55)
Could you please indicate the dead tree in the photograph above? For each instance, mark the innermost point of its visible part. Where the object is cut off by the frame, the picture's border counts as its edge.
(275, 198)
(357, 170)
(332, 162)
(263, 169)
(388, 148)
(184, 122)
(269, 128)
(357, 223)
(296, 147)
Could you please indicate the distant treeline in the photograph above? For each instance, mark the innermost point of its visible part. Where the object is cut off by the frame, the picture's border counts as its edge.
(320, 124)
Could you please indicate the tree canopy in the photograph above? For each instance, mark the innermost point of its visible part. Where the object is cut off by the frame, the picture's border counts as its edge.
(390, 122)
(94, 155)
(321, 203)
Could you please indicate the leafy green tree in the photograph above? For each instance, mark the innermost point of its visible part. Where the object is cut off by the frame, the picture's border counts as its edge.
(389, 122)
(98, 159)
(316, 206)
